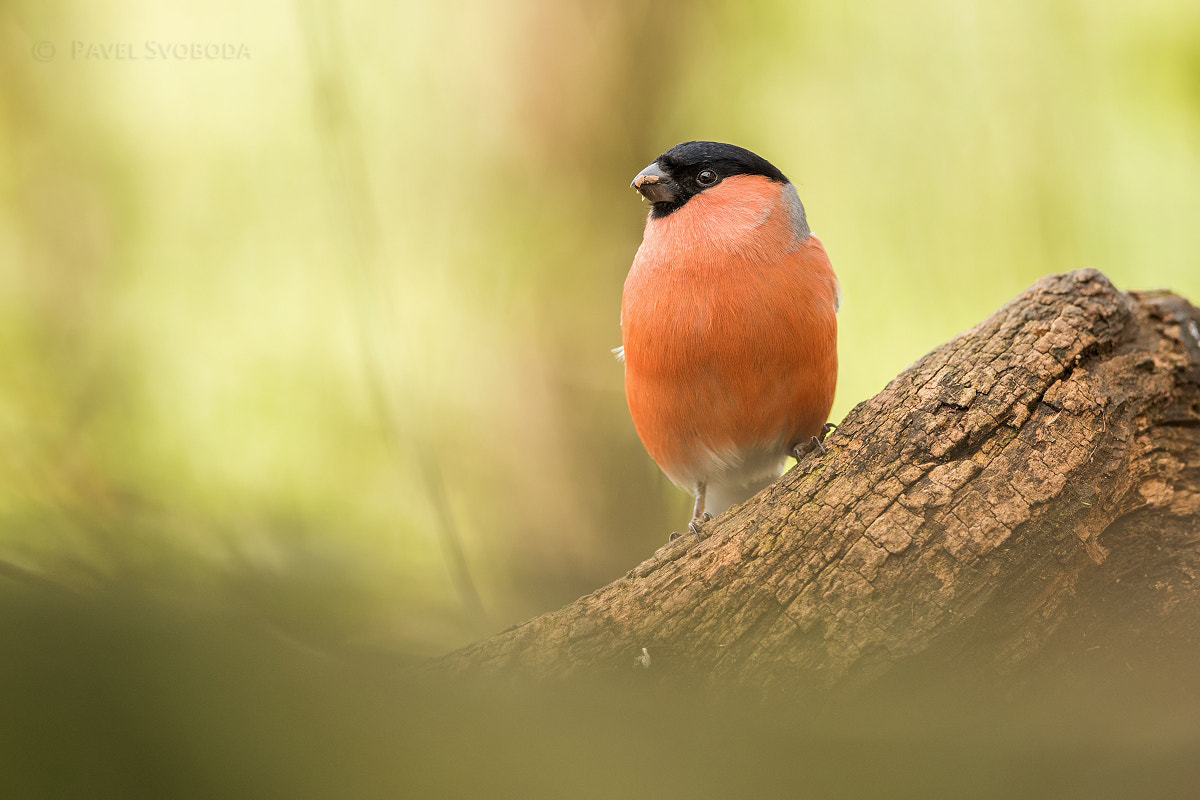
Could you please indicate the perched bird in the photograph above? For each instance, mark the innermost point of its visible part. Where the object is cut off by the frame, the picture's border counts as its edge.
(728, 324)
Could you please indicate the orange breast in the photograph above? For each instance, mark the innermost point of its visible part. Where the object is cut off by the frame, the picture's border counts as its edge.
(729, 331)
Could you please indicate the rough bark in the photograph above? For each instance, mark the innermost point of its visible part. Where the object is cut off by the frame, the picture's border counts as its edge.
(1021, 496)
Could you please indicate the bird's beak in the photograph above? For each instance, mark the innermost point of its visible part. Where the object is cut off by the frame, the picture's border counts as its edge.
(655, 185)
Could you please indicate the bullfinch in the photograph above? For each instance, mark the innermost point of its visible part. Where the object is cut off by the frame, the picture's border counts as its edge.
(728, 324)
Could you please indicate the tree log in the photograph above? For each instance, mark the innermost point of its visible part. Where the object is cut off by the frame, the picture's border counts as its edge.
(1022, 497)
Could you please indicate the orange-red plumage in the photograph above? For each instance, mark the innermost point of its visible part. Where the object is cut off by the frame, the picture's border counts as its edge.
(729, 336)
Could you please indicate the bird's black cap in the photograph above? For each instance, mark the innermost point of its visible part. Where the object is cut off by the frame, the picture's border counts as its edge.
(689, 168)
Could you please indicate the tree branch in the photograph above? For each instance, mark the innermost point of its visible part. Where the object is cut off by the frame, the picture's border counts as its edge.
(1026, 493)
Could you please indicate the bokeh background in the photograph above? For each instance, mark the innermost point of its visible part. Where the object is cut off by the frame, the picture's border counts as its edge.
(306, 311)
(309, 305)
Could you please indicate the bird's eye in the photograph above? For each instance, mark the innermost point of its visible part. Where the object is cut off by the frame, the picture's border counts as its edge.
(706, 177)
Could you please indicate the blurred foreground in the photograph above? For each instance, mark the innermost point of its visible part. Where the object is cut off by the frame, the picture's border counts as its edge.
(121, 695)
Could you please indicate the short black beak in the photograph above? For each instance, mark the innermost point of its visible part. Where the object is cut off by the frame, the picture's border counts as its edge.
(655, 185)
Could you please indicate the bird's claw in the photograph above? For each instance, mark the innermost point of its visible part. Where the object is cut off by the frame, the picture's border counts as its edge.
(815, 443)
(812, 445)
(693, 528)
(694, 525)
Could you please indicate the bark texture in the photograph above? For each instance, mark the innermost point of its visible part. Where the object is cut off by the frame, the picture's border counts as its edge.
(1023, 495)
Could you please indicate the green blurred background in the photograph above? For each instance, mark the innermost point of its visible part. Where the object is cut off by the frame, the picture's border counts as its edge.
(306, 309)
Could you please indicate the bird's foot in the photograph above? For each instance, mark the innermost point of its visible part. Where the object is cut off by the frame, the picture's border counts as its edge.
(694, 527)
(815, 443)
